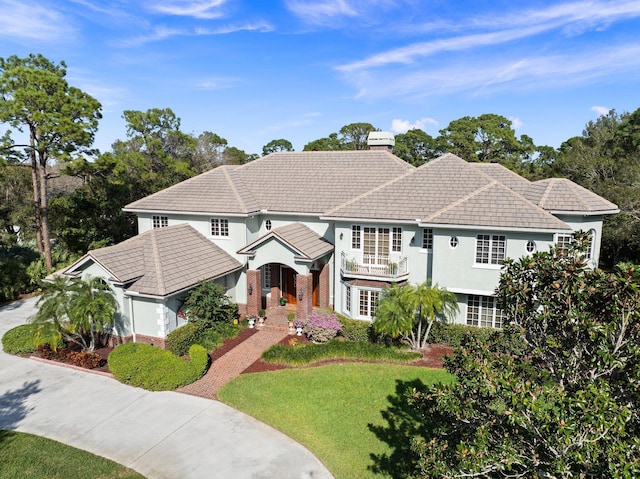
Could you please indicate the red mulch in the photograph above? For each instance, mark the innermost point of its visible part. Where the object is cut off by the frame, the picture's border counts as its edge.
(431, 358)
(66, 355)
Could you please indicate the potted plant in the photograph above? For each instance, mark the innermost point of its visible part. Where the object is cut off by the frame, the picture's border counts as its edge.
(283, 301)
(393, 268)
(252, 321)
(291, 317)
(299, 325)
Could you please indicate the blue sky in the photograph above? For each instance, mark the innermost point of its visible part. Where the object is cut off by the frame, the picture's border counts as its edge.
(253, 71)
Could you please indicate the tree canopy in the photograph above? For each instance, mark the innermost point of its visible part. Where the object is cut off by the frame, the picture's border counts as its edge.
(58, 122)
(352, 137)
(276, 145)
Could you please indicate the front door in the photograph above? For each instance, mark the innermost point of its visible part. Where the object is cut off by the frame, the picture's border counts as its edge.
(289, 282)
(315, 297)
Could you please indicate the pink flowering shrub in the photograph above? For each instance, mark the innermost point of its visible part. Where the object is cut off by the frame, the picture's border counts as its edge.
(322, 326)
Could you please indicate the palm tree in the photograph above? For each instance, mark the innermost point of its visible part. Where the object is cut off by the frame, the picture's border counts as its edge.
(408, 312)
(74, 312)
(92, 307)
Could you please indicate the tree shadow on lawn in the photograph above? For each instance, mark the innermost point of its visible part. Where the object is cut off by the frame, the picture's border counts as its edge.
(13, 408)
(403, 422)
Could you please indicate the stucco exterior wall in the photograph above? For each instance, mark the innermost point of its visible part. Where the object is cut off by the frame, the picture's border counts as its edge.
(587, 223)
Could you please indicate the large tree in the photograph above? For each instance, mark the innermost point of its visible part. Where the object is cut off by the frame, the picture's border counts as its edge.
(57, 121)
(564, 400)
(416, 147)
(276, 145)
(486, 138)
(351, 137)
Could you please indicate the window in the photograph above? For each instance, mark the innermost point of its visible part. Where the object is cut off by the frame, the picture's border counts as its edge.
(160, 221)
(219, 227)
(396, 241)
(368, 303)
(355, 237)
(427, 238)
(592, 238)
(490, 249)
(483, 311)
(267, 225)
(453, 242)
(531, 246)
(563, 241)
(266, 276)
(347, 298)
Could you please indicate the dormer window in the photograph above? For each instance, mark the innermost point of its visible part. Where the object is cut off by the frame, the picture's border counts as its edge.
(219, 227)
(160, 221)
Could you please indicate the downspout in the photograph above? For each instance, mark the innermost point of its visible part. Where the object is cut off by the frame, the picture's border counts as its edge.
(133, 323)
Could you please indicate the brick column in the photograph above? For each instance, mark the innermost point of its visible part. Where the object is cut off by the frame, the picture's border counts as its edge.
(324, 293)
(304, 284)
(276, 288)
(253, 299)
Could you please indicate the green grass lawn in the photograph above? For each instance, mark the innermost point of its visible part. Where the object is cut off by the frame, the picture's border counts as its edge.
(328, 408)
(33, 457)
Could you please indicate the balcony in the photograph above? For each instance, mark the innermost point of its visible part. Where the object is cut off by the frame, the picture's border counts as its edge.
(374, 266)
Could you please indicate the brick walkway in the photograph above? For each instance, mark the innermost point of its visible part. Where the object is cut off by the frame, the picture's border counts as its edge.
(241, 357)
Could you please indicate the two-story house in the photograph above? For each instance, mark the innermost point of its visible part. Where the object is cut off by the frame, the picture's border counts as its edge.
(332, 229)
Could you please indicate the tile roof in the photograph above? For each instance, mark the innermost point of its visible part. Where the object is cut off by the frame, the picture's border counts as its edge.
(163, 261)
(306, 242)
(450, 191)
(504, 175)
(560, 194)
(296, 182)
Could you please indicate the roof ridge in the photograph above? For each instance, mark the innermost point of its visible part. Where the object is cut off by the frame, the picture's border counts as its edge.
(461, 200)
(232, 184)
(157, 263)
(547, 192)
(576, 190)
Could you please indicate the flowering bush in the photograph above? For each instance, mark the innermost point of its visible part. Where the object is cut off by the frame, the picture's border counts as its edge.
(322, 327)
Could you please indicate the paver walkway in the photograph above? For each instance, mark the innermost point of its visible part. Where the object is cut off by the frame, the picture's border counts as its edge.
(231, 364)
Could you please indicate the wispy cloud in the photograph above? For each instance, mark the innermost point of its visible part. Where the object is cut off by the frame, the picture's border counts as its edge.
(601, 110)
(203, 9)
(162, 32)
(217, 83)
(571, 18)
(20, 20)
(485, 75)
(402, 126)
(332, 13)
(516, 122)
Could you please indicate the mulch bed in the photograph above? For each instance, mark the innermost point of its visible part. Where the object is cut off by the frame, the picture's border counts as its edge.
(431, 358)
(71, 354)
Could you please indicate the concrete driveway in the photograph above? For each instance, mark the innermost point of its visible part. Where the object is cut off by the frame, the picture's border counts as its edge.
(159, 434)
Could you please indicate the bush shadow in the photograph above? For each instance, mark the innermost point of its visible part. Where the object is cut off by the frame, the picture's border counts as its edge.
(13, 407)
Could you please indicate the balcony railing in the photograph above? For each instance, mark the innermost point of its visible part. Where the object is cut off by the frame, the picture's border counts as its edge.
(374, 265)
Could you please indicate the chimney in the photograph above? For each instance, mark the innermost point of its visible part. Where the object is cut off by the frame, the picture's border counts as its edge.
(381, 140)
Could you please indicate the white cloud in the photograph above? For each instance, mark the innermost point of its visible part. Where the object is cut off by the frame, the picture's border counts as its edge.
(162, 32)
(26, 20)
(516, 122)
(571, 18)
(402, 126)
(204, 9)
(333, 13)
(601, 110)
(217, 83)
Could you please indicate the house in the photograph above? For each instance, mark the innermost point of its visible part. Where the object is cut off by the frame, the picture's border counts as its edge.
(332, 229)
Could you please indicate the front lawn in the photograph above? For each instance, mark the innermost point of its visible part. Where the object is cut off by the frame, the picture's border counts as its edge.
(33, 457)
(328, 408)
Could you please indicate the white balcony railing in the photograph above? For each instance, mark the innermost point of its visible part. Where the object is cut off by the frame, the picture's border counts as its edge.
(389, 266)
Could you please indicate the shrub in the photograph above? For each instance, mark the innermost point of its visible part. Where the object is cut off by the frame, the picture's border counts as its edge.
(322, 327)
(208, 303)
(302, 355)
(156, 369)
(180, 340)
(354, 329)
(453, 334)
(19, 340)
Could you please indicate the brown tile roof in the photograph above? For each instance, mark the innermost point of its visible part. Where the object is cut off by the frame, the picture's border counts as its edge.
(504, 175)
(297, 182)
(306, 242)
(448, 190)
(560, 194)
(164, 261)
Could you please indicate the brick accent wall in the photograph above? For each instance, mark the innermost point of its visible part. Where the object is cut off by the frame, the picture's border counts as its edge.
(324, 293)
(254, 302)
(304, 283)
(152, 340)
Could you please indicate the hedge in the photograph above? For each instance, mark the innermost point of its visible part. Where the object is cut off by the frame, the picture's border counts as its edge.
(155, 369)
(355, 329)
(19, 340)
(455, 334)
(181, 339)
